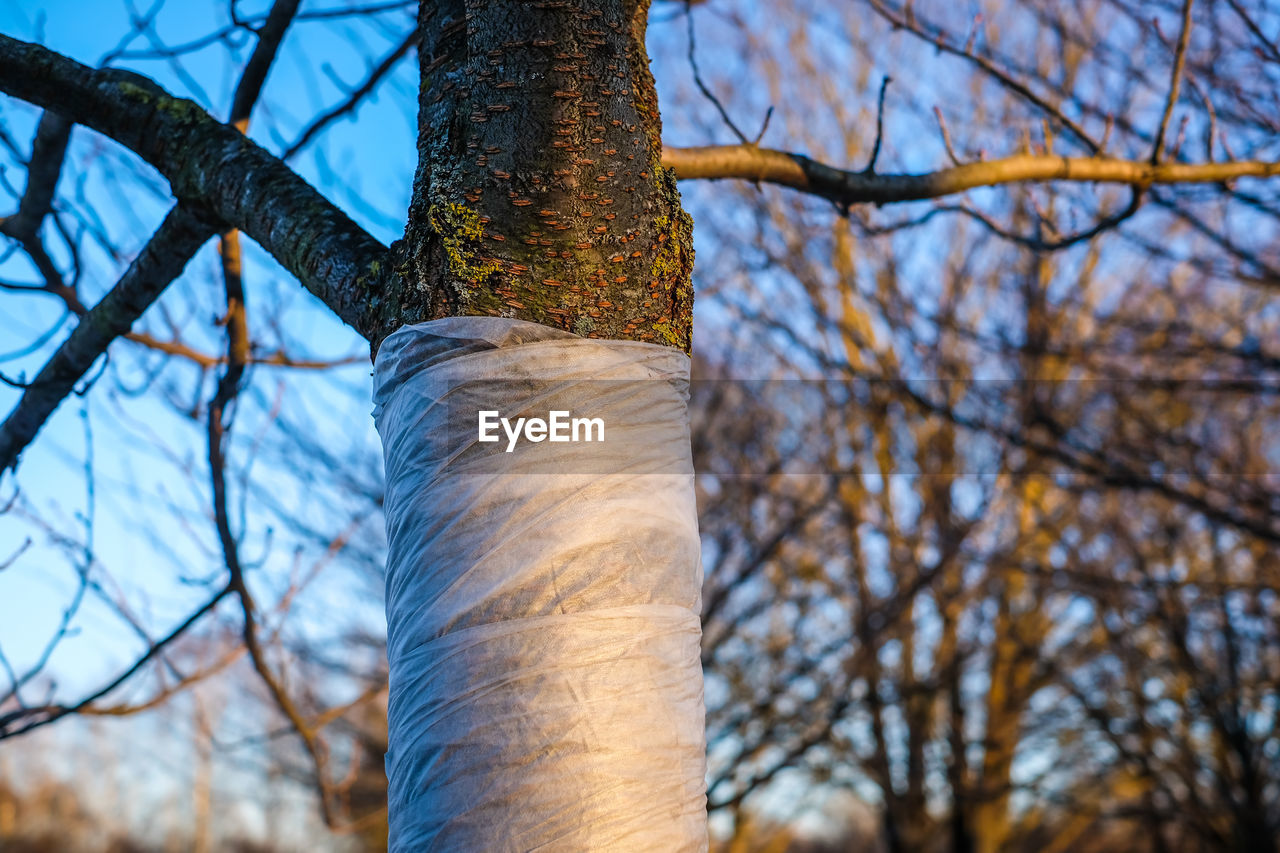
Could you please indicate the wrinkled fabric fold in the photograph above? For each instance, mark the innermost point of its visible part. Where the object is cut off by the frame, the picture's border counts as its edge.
(543, 604)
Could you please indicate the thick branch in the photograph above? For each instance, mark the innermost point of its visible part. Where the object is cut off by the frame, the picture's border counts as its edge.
(747, 162)
(212, 165)
(159, 263)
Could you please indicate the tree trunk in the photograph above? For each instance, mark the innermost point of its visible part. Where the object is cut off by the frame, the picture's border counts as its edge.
(540, 192)
(543, 605)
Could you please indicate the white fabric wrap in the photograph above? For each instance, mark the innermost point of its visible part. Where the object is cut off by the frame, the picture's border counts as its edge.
(543, 604)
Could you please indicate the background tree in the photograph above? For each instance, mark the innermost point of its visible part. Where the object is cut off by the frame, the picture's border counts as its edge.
(1022, 595)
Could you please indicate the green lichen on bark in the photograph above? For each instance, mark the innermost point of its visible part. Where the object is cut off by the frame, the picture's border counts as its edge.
(179, 109)
(136, 92)
(460, 231)
(668, 334)
(674, 254)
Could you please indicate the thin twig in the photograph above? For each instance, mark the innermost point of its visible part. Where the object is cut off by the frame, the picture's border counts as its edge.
(946, 137)
(702, 87)
(56, 712)
(1175, 82)
(353, 100)
(937, 39)
(764, 125)
(875, 148)
(1267, 46)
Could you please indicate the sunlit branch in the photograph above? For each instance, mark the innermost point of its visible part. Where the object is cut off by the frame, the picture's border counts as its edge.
(844, 187)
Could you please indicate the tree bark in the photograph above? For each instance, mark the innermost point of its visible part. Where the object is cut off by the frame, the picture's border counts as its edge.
(540, 192)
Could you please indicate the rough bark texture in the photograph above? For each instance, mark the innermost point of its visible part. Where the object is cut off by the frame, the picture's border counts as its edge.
(540, 193)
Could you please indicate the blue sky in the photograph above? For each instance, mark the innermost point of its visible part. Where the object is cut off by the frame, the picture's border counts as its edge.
(132, 483)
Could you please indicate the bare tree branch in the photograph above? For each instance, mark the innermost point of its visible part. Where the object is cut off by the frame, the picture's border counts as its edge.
(160, 262)
(218, 425)
(906, 19)
(43, 170)
(1175, 83)
(19, 722)
(844, 187)
(357, 95)
(211, 163)
(264, 53)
